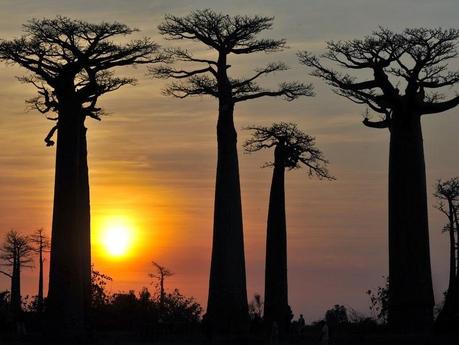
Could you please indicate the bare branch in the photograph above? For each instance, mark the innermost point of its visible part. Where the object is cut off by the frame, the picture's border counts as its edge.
(288, 90)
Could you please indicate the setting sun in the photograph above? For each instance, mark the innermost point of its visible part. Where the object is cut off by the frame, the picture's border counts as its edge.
(117, 236)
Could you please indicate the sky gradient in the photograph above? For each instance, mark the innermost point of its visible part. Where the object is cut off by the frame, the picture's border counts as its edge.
(152, 159)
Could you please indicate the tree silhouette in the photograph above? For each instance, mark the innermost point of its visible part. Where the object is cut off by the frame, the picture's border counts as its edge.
(415, 60)
(226, 36)
(161, 274)
(447, 193)
(15, 253)
(40, 244)
(70, 63)
(292, 149)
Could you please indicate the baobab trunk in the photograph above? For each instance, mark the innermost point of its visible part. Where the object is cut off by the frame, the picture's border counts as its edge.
(227, 308)
(68, 267)
(276, 307)
(85, 222)
(410, 283)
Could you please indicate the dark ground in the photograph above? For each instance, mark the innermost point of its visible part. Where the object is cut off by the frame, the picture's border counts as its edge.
(308, 339)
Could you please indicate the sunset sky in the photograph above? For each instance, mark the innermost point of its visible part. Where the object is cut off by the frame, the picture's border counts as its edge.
(152, 159)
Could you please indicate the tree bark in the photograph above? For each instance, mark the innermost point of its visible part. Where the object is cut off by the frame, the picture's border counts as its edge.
(276, 307)
(410, 283)
(69, 265)
(227, 308)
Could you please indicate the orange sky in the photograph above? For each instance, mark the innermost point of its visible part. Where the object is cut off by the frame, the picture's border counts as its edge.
(152, 160)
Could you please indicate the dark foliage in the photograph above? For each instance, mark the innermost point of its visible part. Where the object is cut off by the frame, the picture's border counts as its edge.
(379, 302)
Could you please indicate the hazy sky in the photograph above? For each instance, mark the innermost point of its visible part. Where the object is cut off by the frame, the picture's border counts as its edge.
(152, 161)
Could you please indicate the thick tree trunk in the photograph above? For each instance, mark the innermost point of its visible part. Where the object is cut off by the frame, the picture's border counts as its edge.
(70, 264)
(410, 283)
(227, 309)
(276, 307)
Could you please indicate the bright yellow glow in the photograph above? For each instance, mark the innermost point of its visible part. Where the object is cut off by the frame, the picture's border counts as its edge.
(117, 236)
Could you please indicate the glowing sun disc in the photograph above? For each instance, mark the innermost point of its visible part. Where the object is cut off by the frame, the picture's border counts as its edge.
(116, 239)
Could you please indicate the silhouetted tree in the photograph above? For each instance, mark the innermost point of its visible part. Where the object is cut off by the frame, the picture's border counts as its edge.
(15, 253)
(447, 193)
(41, 244)
(292, 149)
(226, 36)
(161, 274)
(379, 302)
(256, 307)
(99, 295)
(415, 60)
(71, 62)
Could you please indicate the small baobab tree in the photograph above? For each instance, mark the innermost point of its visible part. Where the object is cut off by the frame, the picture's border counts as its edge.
(160, 275)
(15, 253)
(225, 36)
(400, 77)
(447, 194)
(71, 64)
(292, 150)
(40, 244)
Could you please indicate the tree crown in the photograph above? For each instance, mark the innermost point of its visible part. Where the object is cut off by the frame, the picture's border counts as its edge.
(73, 58)
(416, 59)
(226, 35)
(15, 250)
(297, 147)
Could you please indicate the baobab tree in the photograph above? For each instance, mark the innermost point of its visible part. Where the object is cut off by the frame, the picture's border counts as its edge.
(71, 63)
(416, 61)
(225, 36)
(292, 150)
(40, 245)
(15, 253)
(160, 275)
(447, 193)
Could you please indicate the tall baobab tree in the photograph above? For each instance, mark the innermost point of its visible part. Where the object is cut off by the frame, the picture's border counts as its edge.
(161, 274)
(225, 36)
(15, 253)
(71, 63)
(415, 60)
(447, 193)
(40, 244)
(292, 150)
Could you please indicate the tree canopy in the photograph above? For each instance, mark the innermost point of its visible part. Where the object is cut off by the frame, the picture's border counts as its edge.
(298, 147)
(72, 57)
(415, 59)
(226, 35)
